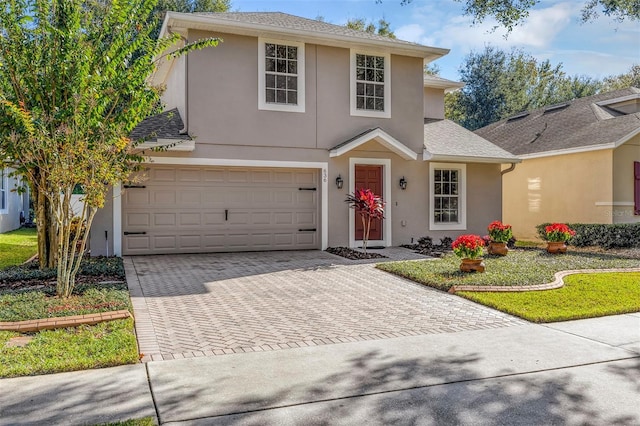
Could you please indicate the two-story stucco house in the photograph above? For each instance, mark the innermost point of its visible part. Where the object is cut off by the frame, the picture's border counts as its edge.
(272, 128)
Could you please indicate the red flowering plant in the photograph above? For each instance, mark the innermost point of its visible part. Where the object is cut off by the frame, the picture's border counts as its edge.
(500, 232)
(558, 232)
(368, 206)
(468, 246)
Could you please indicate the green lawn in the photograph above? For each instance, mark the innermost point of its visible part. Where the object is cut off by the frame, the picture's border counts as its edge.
(74, 348)
(583, 296)
(519, 267)
(53, 351)
(17, 246)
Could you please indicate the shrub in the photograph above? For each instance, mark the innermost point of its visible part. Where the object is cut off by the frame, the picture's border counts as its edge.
(499, 232)
(468, 246)
(619, 235)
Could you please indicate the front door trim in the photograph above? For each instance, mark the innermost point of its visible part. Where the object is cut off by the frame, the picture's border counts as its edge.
(386, 196)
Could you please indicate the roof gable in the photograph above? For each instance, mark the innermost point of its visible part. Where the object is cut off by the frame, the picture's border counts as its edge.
(378, 135)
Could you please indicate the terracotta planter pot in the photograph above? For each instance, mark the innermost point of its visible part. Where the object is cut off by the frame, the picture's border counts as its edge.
(472, 265)
(498, 249)
(556, 247)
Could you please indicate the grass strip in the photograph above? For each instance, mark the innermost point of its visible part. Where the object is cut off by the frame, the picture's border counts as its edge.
(519, 267)
(17, 246)
(583, 296)
(53, 351)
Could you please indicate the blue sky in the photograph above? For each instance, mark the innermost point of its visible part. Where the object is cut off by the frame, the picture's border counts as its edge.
(552, 31)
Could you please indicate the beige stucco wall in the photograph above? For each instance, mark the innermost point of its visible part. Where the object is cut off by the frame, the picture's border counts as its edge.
(174, 95)
(623, 181)
(223, 99)
(562, 188)
(433, 103)
(409, 208)
(102, 221)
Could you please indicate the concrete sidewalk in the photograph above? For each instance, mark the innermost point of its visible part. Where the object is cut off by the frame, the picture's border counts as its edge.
(577, 372)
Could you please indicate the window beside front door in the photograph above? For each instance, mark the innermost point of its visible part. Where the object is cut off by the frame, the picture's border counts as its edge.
(447, 192)
(281, 76)
(370, 85)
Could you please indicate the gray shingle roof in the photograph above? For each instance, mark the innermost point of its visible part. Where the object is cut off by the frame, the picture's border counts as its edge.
(279, 20)
(166, 125)
(446, 139)
(581, 124)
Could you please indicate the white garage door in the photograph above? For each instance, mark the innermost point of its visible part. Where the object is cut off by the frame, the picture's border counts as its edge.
(181, 209)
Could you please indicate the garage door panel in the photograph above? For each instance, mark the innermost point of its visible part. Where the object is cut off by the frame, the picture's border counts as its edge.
(162, 174)
(182, 209)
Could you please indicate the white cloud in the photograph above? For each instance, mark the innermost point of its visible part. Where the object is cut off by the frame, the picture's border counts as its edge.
(539, 30)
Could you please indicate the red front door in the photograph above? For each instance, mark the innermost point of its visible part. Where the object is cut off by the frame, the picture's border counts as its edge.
(369, 177)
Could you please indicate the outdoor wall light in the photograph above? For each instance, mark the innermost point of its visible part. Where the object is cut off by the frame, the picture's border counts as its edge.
(339, 182)
(403, 183)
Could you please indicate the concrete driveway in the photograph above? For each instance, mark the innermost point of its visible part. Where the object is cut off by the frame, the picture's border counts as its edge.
(215, 304)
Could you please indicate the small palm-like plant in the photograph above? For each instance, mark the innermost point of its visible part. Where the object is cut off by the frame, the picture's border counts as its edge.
(368, 206)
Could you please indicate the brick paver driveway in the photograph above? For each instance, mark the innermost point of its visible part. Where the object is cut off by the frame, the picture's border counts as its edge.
(213, 304)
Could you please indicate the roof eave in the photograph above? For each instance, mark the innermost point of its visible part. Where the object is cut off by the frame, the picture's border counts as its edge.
(427, 156)
(177, 20)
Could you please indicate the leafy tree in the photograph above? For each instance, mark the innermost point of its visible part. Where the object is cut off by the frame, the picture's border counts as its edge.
(185, 6)
(73, 84)
(510, 13)
(622, 81)
(382, 29)
(499, 84)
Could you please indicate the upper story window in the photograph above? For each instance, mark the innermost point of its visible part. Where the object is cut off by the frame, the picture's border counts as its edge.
(281, 75)
(370, 84)
(4, 202)
(448, 196)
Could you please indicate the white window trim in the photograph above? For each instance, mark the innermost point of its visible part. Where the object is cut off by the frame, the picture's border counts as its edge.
(387, 85)
(386, 197)
(5, 190)
(462, 218)
(262, 102)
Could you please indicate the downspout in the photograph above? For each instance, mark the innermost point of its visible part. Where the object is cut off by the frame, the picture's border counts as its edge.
(508, 170)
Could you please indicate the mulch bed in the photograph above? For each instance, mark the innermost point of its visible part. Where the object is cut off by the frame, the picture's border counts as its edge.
(426, 247)
(352, 254)
(37, 284)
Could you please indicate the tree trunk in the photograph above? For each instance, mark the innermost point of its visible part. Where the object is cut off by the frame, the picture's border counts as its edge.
(46, 230)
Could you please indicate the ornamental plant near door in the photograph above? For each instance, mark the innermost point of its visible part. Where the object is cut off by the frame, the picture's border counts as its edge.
(469, 248)
(368, 206)
(500, 234)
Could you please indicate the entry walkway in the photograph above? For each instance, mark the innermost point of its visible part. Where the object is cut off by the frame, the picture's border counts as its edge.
(216, 304)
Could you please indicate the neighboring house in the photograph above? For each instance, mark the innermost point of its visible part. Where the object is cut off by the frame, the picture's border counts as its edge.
(14, 207)
(266, 133)
(581, 162)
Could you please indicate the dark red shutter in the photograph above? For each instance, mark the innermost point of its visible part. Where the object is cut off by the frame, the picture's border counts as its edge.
(636, 186)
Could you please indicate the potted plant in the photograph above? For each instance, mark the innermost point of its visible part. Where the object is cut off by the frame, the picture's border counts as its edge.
(469, 249)
(368, 206)
(557, 235)
(499, 234)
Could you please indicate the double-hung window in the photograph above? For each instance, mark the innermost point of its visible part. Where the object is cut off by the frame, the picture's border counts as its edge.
(447, 196)
(370, 84)
(281, 75)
